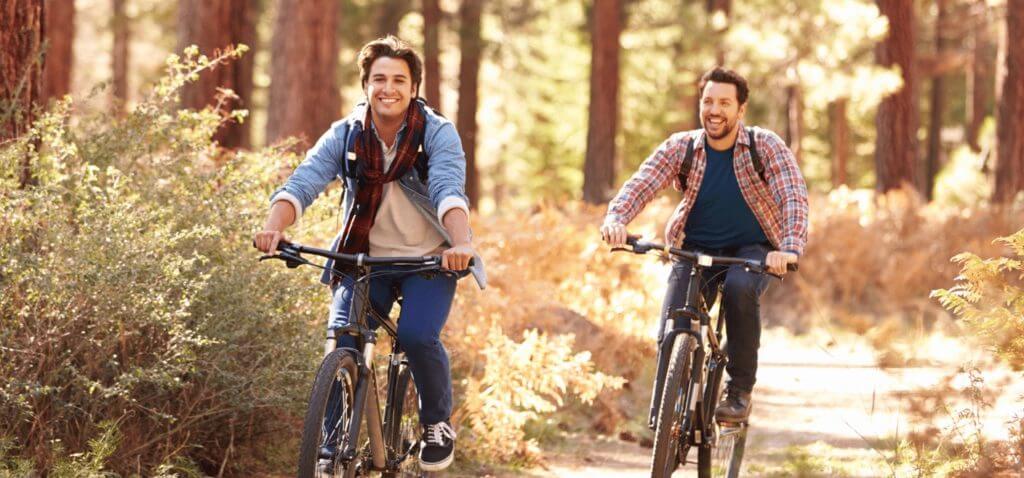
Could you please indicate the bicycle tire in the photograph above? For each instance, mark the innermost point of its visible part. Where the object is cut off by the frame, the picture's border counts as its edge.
(401, 425)
(665, 457)
(338, 367)
(726, 458)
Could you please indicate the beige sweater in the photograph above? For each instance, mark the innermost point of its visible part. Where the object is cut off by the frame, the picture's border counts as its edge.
(399, 229)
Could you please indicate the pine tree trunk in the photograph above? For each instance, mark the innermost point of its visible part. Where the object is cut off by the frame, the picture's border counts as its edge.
(897, 119)
(304, 96)
(120, 57)
(60, 33)
(21, 41)
(713, 8)
(795, 120)
(839, 128)
(432, 53)
(933, 158)
(979, 73)
(602, 123)
(390, 14)
(1009, 170)
(213, 25)
(469, 73)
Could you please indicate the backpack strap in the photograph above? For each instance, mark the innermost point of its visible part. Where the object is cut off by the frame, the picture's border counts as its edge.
(755, 157)
(684, 170)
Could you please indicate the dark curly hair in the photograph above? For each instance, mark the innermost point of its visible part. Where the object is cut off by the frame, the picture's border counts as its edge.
(724, 75)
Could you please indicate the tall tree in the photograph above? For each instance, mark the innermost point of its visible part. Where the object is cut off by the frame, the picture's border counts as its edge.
(937, 103)
(795, 119)
(471, 44)
(59, 17)
(602, 123)
(718, 17)
(1009, 170)
(897, 119)
(979, 73)
(21, 41)
(390, 14)
(214, 25)
(432, 52)
(304, 96)
(839, 128)
(120, 58)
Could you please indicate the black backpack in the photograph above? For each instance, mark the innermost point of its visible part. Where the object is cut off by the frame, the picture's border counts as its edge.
(684, 171)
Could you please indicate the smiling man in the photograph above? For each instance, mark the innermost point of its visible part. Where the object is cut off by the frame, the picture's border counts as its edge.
(404, 173)
(743, 196)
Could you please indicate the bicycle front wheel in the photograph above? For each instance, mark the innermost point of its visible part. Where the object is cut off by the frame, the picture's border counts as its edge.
(325, 430)
(401, 426)
(726, 457)
(669, 429)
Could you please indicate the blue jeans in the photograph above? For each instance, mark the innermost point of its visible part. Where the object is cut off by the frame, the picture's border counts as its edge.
(741, 304)
(426, 301)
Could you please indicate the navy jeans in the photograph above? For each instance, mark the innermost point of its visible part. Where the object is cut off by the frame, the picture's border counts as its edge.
(426, 301)
(741, 304)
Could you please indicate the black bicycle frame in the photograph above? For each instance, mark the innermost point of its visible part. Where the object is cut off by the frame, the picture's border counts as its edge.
(366, 339)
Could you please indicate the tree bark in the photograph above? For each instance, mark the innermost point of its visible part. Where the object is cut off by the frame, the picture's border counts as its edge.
(897, 119)
(21, 41)
(602, 125)
(933, 158)
(432, 52)
(470, 43)
(979, 74)
(60, 33)
(120, 57)
(390, 14)
(795, 120)
(304, 96)
(213, 25)
(839, 127)
(1009, 170)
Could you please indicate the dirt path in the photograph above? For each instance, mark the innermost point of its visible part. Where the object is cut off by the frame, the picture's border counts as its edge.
(817, 412)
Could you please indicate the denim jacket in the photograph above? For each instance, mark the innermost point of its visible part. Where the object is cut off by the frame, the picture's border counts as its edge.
(333, 156)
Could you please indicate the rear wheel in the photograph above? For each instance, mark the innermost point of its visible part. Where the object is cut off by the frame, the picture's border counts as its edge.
(332, 398)
(726, 458)
(668, 431)
(724, 455)
(401, 426)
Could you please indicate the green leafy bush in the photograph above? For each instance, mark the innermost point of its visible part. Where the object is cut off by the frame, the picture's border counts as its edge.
(989, 298)
(127, 298)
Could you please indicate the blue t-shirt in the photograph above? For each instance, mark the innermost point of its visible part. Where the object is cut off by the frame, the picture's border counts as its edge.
(720, 217)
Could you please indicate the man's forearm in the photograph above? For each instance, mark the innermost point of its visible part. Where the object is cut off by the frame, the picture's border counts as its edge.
(456, 222)
(282, 215)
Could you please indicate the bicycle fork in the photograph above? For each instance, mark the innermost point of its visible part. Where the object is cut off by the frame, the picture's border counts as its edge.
(366, 400)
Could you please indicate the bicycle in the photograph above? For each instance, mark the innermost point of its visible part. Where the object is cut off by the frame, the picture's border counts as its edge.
(688, 382)
(331, 440)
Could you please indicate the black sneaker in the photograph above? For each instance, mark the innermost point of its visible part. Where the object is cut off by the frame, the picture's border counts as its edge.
(735, 408)
(438, 448)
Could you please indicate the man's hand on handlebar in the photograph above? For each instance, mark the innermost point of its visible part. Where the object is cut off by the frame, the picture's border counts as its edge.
(777, 261)
(267, 240)
(457, 258)
(614, 234)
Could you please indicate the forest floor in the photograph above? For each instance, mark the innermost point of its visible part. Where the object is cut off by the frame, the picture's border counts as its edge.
(818, 411)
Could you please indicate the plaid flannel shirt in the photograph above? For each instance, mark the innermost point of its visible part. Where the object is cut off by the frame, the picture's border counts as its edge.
(780, 205)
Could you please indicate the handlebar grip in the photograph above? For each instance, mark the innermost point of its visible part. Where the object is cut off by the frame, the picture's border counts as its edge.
(632, 239)
(793, 266)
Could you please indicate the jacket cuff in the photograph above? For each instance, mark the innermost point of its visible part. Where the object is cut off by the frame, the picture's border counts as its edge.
(287, 196)
(449, 203)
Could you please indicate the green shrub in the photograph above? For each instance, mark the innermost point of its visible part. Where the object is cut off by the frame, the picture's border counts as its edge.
(989, 299)
(127, 295)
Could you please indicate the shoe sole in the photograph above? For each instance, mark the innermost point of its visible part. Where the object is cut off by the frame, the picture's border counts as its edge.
(425, 466)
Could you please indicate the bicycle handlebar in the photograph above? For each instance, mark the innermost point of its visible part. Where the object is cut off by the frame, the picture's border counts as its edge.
(291, 254)
(643, 247)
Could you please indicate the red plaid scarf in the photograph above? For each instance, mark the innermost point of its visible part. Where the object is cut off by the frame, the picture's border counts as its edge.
(372, 177)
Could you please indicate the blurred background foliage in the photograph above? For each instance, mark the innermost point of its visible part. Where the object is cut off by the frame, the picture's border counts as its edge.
(138, 336)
